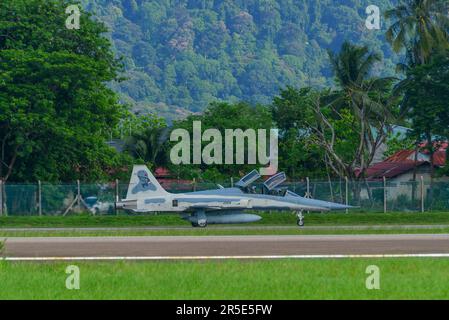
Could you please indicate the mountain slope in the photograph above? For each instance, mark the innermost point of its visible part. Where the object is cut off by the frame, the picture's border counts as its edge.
(182, 54)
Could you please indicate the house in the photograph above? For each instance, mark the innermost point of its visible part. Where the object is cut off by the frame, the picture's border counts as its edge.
(401, 168)
(401, 165)
(170, 183)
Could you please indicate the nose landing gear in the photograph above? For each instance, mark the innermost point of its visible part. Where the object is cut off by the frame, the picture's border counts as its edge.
(300, 219)
(200, 219)
(200, 224)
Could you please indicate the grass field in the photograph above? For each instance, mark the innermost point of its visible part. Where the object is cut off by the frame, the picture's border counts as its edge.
(272, 224)
(218, 232)
(278, 279)
(313, 219)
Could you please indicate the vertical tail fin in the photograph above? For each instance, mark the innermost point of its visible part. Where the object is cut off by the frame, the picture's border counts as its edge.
(143, 183)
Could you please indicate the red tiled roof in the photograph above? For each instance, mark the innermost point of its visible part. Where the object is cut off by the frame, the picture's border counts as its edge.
(175, 184)
(439, 157)
(401, 156)
(402, 162)
(161, 172)
(390, 169)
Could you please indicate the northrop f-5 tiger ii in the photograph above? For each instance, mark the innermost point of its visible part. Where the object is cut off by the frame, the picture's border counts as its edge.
(220, 206)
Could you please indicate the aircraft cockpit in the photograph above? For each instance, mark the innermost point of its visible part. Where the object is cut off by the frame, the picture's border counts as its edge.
(270, 187)
(278, 192)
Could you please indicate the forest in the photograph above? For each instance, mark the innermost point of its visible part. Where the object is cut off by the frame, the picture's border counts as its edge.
(181, 55)
(65, 93)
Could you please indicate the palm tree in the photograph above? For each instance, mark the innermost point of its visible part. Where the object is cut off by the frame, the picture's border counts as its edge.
(352, 67)
(366, 96)
(148, 145)
(420, 27)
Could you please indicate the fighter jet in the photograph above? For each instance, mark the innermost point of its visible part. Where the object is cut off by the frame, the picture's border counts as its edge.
(220, 206)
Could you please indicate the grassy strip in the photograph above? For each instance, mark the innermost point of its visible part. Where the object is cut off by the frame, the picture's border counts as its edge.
(278, 279)
(217, 232)
(312, 219)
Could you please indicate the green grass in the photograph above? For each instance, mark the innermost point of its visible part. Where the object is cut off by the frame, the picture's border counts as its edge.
(86, 220)
(275, 279)
(369, 220)
(313, 219)
(217, 232)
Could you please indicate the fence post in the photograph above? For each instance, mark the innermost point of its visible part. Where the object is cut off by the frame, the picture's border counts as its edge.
(308, 195)
(422, 193)
(78, 195)
(385, 194)
(346, 193)
(194, 184)
(1, 197)
(39, 196)
(117, 196)
(232, 182)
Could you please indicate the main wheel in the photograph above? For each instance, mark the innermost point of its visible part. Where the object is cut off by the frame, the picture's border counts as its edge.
(300, 222)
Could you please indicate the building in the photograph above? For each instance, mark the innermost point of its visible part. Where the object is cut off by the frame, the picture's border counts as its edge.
(401, 169)
(169, 182)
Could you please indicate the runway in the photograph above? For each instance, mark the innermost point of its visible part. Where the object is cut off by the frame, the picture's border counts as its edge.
(189, 247)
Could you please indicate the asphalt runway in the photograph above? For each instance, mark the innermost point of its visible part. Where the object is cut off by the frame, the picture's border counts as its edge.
(225, 246)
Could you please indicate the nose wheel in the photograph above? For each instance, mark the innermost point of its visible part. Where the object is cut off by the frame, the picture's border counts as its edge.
(200, 219)
(199, 225)
(300, 219)
(202, 223)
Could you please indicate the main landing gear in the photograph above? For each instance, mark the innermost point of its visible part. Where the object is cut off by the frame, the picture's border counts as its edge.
(300, 219)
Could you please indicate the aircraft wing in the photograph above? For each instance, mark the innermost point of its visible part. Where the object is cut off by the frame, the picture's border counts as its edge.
(317, 203)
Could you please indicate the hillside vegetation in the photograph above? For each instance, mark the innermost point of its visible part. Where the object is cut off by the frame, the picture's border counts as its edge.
(180, 55)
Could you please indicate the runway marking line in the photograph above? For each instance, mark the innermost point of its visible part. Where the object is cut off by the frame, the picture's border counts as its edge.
(266, 257)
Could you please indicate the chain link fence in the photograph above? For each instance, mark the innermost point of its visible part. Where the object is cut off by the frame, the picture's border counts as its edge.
(99, 198)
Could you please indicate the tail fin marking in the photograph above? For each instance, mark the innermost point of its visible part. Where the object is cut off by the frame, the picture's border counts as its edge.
(143, 183)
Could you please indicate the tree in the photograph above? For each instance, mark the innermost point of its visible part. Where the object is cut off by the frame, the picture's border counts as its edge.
(419, 27)
(429, 116)
(299, 157)
(399, 142)
(222, 116)
(256, 47)
(55, 107)
(148, 140)
(352, 122)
